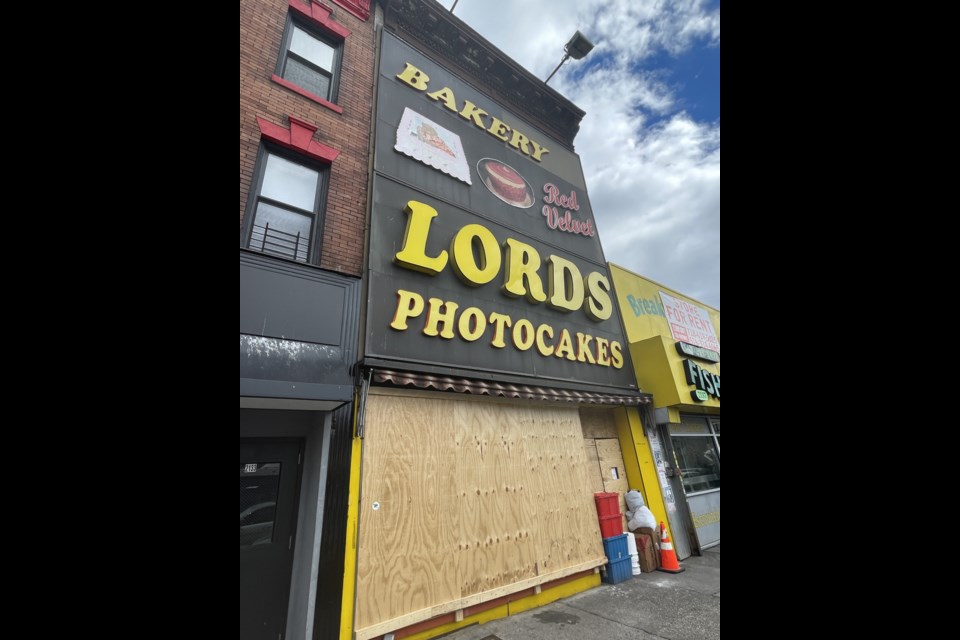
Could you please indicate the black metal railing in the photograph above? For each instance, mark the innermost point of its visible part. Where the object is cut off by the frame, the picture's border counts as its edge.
(280, 243)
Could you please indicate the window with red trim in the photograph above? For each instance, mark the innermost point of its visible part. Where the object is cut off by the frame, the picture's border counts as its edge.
(310, 59)
(285, 208)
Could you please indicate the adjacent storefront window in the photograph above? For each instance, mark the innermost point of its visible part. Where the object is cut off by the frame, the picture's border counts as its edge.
(696, 443)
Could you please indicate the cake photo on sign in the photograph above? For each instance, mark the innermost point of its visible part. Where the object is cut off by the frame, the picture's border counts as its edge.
(506, 183)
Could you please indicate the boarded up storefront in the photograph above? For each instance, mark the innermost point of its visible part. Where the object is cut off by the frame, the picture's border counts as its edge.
(464, 501)
(605, 468)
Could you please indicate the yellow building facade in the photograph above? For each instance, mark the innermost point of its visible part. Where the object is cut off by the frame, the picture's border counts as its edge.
(675, 348)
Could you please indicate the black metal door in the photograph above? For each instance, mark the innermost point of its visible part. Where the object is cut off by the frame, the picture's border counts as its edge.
(269, 488)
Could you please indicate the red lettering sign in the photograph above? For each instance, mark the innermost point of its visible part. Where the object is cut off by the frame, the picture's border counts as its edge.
(565, 222)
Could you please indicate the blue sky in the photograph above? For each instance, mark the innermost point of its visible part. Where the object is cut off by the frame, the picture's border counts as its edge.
(650, 142)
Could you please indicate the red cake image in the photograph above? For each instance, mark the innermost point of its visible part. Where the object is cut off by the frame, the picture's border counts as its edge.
(504, 182)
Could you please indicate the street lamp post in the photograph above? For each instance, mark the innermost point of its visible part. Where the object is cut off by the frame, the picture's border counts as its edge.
(578, 47)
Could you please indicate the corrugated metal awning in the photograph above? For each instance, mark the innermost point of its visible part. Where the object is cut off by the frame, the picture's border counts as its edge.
(501, 389)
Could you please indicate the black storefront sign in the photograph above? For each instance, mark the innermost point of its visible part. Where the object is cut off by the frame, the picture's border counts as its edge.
(706, 383)
(484, 255)
(692, 350)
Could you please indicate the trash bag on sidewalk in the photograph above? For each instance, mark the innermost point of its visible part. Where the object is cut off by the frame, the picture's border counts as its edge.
(634, 501)
(642, 517)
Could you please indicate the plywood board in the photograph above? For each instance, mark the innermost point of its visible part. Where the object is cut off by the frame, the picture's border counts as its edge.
(597, 423)
(406, 523)
(613, 472)
(473, 499)
(498, 522)
(594, 479)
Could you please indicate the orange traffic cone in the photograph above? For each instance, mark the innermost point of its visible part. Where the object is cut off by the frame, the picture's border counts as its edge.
(668, 559)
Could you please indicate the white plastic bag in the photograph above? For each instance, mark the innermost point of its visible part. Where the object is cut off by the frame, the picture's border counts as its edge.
(642, 517)
(634, 499)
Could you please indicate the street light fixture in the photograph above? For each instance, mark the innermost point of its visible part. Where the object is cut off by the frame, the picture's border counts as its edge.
(578, 47)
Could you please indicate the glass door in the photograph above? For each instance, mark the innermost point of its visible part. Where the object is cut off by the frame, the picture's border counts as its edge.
(696, 448)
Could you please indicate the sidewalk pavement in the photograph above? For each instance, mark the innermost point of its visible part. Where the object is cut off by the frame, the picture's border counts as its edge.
(683, 606)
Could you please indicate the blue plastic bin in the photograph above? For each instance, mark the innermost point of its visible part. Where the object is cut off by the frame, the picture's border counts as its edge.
(616, 547)
(617, 571)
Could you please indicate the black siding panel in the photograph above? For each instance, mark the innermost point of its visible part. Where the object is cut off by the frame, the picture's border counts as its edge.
(326, 625)
(298, 324)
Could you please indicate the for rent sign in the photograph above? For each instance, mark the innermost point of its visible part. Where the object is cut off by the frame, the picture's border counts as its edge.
(689, 323)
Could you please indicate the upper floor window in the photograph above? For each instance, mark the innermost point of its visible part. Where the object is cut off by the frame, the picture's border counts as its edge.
(284, 217)
(310, 61)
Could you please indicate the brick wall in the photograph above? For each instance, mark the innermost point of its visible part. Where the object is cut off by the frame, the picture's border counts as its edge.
(261, 32)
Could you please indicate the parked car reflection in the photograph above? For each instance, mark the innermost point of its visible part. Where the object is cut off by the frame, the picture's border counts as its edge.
(256, 523)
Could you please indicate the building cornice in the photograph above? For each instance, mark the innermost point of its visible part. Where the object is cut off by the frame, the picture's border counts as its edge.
(453, 42)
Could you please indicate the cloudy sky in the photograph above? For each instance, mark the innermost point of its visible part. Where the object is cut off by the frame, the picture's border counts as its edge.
(650, 142)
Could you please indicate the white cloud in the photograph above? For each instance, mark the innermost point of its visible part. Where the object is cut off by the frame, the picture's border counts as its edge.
(653, 172)
(639, 28)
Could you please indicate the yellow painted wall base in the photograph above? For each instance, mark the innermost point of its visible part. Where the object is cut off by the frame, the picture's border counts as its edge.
(524, 604)
(552, 595)
(350, 554)
(484, 616)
